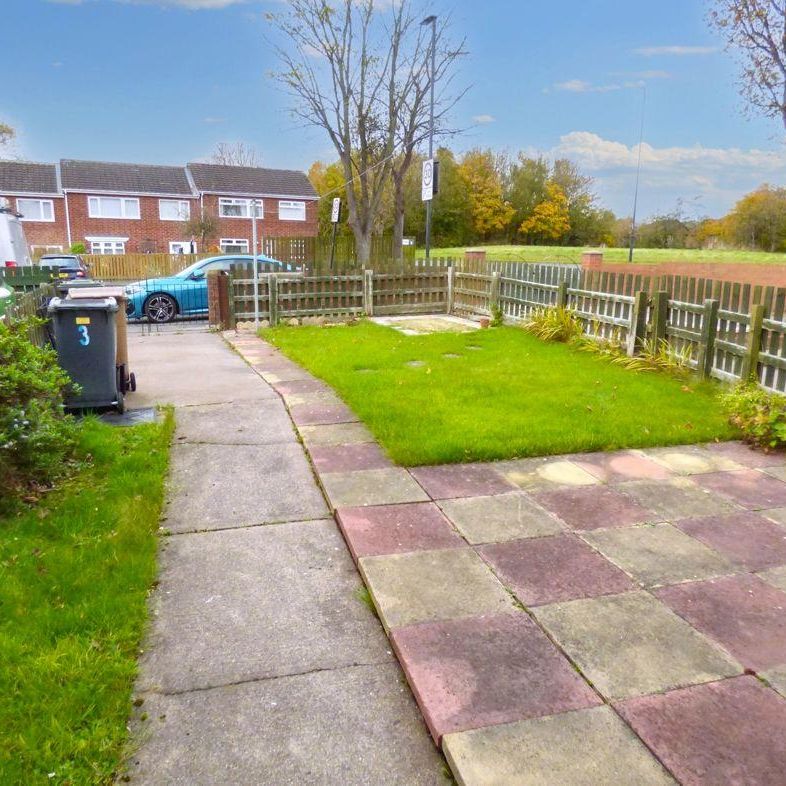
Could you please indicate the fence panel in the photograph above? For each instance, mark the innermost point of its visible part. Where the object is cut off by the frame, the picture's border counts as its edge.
(415, 292)
(472, 293)
(326, 296)
(32, 303)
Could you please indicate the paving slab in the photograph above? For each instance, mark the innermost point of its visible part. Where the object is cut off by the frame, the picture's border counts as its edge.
(744, 614)
(544, 472)
(632, 644)
(548, 570)
(580, 748)
(321, 414)
(303, 386)
(747, 455)
(249, 589)
(352, 726)
(338, 434)
(779, 473)
(593, 507)
(243, 423)
(347, 458)
(778, 515)
(432, 585)
(777, 679)
(691, 459)
(487, 670)
(461, 480)
(282, 374)
(748, 487)
(500, 517)
(679, 498)
(659, 554)
(220, 486)
(748, 539)
(389, 486)
(776, 577)
(621, 466)
(728, 732)
(396, 529)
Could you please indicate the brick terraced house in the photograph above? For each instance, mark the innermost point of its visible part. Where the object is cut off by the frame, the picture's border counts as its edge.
(141, 208)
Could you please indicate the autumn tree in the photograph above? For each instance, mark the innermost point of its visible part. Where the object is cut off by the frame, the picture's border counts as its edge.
(756, 31)
(758, 220)
(525, 188)
(549, 220)
(328, 182)
(235, 154)
(489, 211)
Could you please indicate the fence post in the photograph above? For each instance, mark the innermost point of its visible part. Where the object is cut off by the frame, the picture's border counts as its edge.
(494, 292)
(660, 314)
(637, 332)
(451, 282)
(750, 360)
(562, 294)
(368, 292)
(272, 291)
(709, 329)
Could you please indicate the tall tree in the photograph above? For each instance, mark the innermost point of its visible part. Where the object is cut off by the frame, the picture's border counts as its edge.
(6, 134)
(525, 188)
(235, 154)
(756, 30)
(490, 212)
(549, 220)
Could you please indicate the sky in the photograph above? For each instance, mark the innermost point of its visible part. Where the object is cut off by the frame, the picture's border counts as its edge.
(163, 81)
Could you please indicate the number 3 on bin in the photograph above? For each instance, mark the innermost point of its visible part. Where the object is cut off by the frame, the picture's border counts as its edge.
(84, 336)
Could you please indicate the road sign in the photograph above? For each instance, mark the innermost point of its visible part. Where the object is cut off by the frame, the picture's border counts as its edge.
(427, 183)
(335, 215)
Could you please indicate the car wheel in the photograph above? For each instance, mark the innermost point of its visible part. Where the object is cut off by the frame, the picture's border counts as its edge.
(160, 308)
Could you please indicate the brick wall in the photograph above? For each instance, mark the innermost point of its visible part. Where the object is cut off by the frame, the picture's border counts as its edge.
(44, 233)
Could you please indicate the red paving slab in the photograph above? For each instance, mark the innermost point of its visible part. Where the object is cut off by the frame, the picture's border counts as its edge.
(728, 732)
(744, 614)
(549, 570)
(747, 455)
(593, 507)
(486, 670)
(300, 386)
(619, 467)
(747, 539)
(747, 487)
(461, 480)
(396, 529)
(321, 414)
(348, 458)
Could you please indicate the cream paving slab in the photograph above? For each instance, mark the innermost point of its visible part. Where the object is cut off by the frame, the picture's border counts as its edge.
(777, 472)
(658, 554)
(778, 515)
(777, 679)
(433, 585)
(544, 472)
(691, 460)
(632, 644)
(500, 517)
(775, 576)
(586, 747)
(679, 498)
(335, 434)
(364, 487)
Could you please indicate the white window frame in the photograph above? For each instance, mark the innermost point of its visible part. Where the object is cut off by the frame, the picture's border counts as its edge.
(235, 241)
(99, 245)
(47, 248)
(183, 209)
(243, 203)
(186, 243)
(291, 204)
(94, 207)
(41, 203)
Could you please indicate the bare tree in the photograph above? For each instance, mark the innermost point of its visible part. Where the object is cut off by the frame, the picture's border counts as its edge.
(235, 154)
(756, 30)
(6, 134)
(202, 227)
(360, 75)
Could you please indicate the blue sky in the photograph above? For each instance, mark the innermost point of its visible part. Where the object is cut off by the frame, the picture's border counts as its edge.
(164, 80)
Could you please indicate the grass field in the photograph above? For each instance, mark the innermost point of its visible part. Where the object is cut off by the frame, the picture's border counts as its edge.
(506, 395)
(75, 570)
(614, 255)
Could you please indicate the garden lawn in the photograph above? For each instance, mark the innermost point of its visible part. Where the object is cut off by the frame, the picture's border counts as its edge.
(75, 570)
(644, 256)
(508, 394)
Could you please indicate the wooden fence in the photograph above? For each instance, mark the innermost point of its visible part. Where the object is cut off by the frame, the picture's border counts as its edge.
(32, 304)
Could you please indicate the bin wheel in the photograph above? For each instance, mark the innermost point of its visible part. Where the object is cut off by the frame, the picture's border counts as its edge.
(131, 382)
(121, 404)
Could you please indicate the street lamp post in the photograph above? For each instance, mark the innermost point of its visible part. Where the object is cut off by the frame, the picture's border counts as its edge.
(638, 175)
(255, 261)
(431, 20)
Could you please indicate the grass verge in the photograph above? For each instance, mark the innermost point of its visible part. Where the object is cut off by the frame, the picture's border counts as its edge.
(506, 394)
(75, 571)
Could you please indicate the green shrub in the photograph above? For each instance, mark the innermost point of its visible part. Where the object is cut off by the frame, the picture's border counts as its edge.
(761, 416)
(77, 248)
(36, 437)
(497, 317)
(554, 324)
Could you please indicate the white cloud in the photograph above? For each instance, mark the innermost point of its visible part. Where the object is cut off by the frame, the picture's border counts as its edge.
(193, 5)
(483, 119)
(580, 86)
(679, 51)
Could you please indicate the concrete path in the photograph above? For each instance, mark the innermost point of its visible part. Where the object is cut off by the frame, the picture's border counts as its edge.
(614, 618)
(262, 665)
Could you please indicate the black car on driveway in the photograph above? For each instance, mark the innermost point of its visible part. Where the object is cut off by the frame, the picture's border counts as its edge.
(65, 267)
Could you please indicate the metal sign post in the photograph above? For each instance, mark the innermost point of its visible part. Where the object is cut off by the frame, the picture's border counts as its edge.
(427, 195)
(335, 217)
(255, 261)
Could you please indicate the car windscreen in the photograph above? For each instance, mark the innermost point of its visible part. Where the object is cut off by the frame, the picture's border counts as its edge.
(60, 262)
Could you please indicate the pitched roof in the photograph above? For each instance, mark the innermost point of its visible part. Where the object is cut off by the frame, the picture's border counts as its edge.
(251, 181)
(25, 177)
(124, 178)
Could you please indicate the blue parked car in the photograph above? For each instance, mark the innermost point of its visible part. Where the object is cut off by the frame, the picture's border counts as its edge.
(185, 293)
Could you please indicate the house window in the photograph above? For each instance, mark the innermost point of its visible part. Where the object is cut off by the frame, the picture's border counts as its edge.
(112, 207)
(238, 208)
(234, 245)
(37, 250)
(174, 209)
(291, 211)
(36, 209)
(107, 245)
